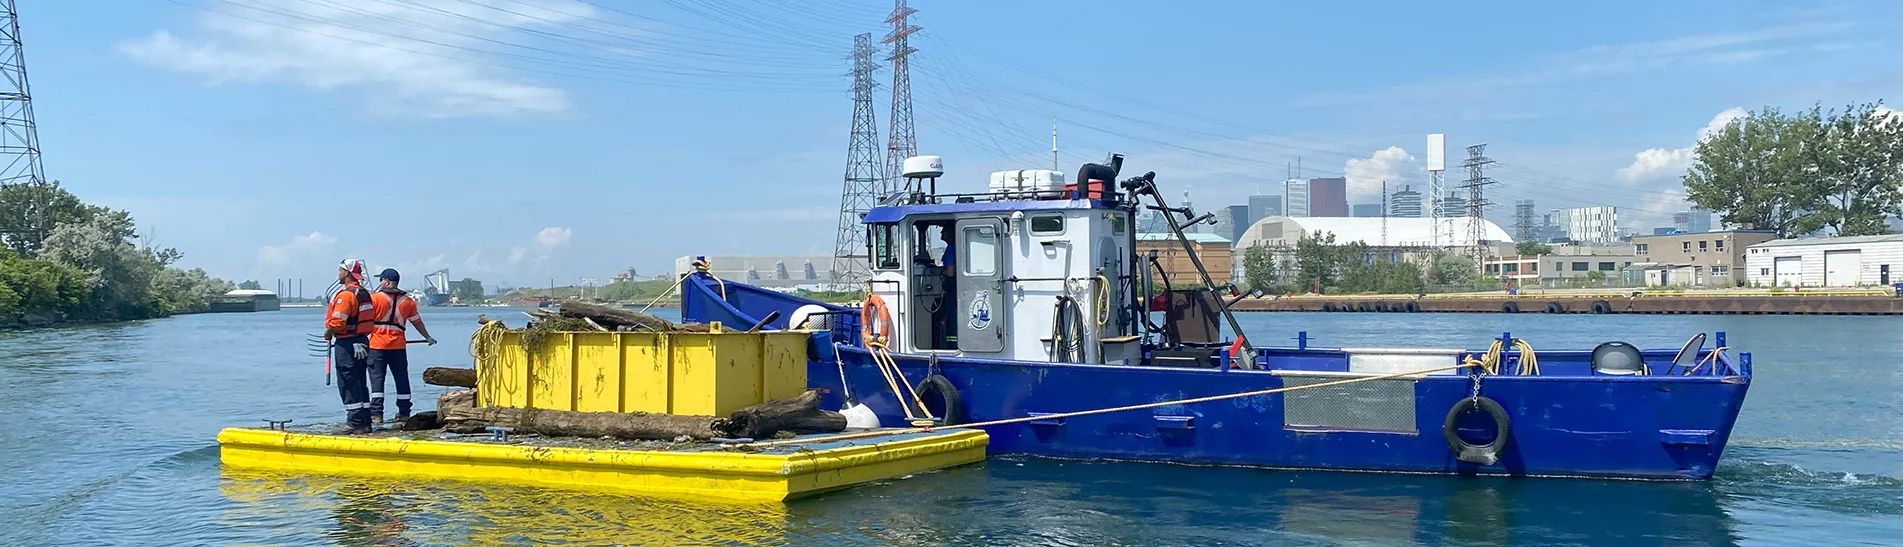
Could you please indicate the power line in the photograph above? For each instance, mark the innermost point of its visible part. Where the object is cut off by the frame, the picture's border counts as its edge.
(20, 143)
(1477, 203)
(903, 141)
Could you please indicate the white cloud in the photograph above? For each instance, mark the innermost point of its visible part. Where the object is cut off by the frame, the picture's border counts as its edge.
(1660, 163)
(1365, 176)
(552, 237)
(411, 58)
(1883, 110)
(297, 254)
(516, 253)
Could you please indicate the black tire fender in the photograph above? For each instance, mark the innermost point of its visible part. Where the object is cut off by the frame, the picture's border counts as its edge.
(1347, 306)
(1413, 307)
(1363, 307)
(953, 413)
(1555, 307)
(1601, 306)
(1510, 307)
(1381, 306)
(1328, 306)
(1487, 454)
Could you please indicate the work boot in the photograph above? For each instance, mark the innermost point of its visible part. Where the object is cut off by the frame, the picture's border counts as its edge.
(349, 430)
(376, 419)
(401, 416)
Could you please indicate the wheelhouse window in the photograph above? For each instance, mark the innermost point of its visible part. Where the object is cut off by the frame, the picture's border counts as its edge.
(981, 242)
(1047, 225)
(885, 246)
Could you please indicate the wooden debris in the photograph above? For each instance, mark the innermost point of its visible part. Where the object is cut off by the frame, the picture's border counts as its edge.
(615, 318)
(800, 414)
(423, 421)
(450, 377)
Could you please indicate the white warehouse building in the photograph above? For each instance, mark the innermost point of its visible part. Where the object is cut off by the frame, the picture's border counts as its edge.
(1826, 262)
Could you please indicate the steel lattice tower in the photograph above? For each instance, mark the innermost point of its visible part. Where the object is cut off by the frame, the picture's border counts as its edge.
(902, 142)
(19, 141)
(1477, 203)
(864, 169)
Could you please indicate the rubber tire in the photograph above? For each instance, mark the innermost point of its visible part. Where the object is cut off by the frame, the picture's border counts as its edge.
(1601, 307)
(1328, 306)
(953, 413)
(1347, 307)
(1487, 454)
(1510, 307)
(1381, 307)
(1413, 307)
(1555, 307)
(1363, 307)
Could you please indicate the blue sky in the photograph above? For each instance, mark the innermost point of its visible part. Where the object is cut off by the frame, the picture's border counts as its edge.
(519, 141)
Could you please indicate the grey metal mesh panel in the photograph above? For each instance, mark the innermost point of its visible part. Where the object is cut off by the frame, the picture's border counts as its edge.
(1377, 405)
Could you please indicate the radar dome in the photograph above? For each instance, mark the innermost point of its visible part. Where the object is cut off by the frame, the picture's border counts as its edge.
(923, 167)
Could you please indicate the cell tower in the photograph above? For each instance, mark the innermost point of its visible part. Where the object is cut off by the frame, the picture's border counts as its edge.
(1436, 184)
(19, 141)
(864, 169)
(902, 142)
(1477, 203)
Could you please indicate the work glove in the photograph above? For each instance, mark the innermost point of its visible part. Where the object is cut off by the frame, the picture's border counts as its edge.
(362, 351)
(430, 340)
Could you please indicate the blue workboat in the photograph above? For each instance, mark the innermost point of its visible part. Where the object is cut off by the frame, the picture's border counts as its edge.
(1049, 319)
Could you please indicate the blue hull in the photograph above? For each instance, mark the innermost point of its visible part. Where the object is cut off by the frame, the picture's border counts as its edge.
(1566, 422)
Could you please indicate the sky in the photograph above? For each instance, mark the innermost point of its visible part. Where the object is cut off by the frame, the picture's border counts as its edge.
(524, 142)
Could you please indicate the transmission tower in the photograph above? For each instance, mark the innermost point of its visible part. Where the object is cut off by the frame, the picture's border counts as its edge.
(902, 142)
(864, 169)
(19, 142)
(1477, 203)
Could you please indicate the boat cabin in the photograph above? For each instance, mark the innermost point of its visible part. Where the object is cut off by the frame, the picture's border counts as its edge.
(1031, 268)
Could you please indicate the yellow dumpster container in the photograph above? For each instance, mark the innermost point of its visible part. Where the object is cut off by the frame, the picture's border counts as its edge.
(684, 373)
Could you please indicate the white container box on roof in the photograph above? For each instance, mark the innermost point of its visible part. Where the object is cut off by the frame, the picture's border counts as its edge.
(1028, 184)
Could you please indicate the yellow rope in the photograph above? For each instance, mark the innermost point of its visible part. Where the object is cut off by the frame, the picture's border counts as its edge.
(1489, 362)
(1102, 291)
(1062, 415)
(1709, 358)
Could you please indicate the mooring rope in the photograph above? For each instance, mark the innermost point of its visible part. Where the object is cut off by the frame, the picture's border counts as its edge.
(1709, 358)
(1061, 415)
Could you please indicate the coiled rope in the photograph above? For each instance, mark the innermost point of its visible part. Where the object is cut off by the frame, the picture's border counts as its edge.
(1062, 415)
(1489, 362)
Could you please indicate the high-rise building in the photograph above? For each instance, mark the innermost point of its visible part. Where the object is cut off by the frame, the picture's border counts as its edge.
(1261, 207)
(1598, 224)
(1328, 197)
(1453, 205)
(1524, 229)
(1295, 198)
(1405, 204)
(1367, 210)
(1694, 221)
(1231, 221)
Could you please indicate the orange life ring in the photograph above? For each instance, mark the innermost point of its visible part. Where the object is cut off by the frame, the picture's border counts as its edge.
(880, 332)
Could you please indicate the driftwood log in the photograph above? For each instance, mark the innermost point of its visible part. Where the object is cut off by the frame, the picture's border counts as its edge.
(615, 318)
(798, 414)
(450, 377)
(423, 421)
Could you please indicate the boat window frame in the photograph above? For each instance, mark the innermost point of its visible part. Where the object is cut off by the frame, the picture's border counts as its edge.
(883, 244)
(1047, 216)
(967, 255)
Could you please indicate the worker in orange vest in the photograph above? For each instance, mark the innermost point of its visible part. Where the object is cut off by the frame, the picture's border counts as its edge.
(393, 309)
(347, 327)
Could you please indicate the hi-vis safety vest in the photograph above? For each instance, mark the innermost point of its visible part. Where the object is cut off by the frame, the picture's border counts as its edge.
(394, 312)
(350, 312)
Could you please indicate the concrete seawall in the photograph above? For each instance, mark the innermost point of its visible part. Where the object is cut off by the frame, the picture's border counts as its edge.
(1780, 304)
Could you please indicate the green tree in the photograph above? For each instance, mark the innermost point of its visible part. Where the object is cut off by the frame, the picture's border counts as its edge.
(466, 290)
(251, 285)
(1314, 261)
(1857, 161)
(1258, 268)
(1451, 269)
(1750, 172)
(1532, 248)
(29, 213)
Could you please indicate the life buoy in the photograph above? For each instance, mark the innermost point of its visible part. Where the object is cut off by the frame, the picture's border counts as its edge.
(1600, 306)
(937, 388)
(1510, 307)
(1555, 307)
(875, 333)
(1486, 454)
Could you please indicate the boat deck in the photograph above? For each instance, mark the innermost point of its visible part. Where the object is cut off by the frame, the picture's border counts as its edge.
(676, 469)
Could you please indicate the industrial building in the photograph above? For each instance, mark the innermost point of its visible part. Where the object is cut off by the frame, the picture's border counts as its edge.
(1565, 264)
(1697, 260)
(773, 272)
(1826, 262)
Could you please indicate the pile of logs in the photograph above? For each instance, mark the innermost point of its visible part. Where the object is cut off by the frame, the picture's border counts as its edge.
(615, 319)
(456, 411)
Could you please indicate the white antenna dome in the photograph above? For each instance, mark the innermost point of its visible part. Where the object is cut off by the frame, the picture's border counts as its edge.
(923, 167)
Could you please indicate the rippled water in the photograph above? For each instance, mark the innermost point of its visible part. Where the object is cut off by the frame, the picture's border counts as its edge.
(107, 438)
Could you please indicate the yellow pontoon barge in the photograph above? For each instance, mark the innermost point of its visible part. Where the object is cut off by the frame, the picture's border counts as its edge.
(703, 471)
(683, 373)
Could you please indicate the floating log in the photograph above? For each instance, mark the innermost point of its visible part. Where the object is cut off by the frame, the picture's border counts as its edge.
(800, 414)
(461, 415)
(450, 377)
